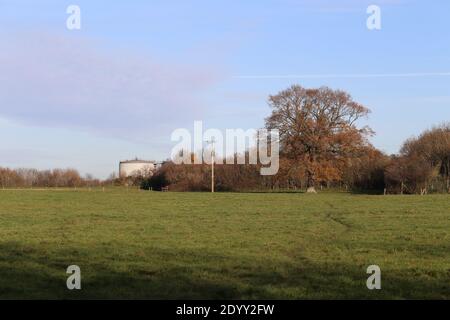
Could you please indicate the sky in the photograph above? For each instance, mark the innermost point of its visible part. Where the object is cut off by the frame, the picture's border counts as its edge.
(135, 71)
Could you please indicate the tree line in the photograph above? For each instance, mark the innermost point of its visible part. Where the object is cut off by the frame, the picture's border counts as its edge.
(30, 178)
(323, 145)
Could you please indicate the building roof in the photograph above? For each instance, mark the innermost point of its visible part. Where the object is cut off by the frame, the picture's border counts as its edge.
(138, 161)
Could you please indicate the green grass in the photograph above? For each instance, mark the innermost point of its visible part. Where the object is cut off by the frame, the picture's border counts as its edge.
(151, 245)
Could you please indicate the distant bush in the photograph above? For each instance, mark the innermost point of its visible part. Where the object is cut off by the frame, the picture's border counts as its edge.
(28, 178)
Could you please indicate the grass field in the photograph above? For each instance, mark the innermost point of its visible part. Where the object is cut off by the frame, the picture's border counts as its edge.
(151, 245)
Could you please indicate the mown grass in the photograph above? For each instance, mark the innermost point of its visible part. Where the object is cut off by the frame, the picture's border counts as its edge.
(150, 245)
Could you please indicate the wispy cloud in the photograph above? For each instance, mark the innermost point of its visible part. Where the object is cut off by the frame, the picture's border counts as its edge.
(341, 5)
(66, 81)
(349, 75)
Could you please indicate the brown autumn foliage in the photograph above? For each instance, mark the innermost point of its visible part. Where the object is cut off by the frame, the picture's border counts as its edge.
(408, 174)
(433, 147)
(423, 164)
(28, 178)
(366, 171)
(321, 144)
(318, 129)
(197, 177)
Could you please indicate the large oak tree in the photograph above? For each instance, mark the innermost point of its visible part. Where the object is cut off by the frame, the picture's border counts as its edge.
(317, 127)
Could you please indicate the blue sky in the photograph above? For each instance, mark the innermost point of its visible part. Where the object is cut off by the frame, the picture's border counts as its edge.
(137, 70)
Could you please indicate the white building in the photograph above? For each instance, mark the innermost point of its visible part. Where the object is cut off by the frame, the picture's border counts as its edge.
(130, 168)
